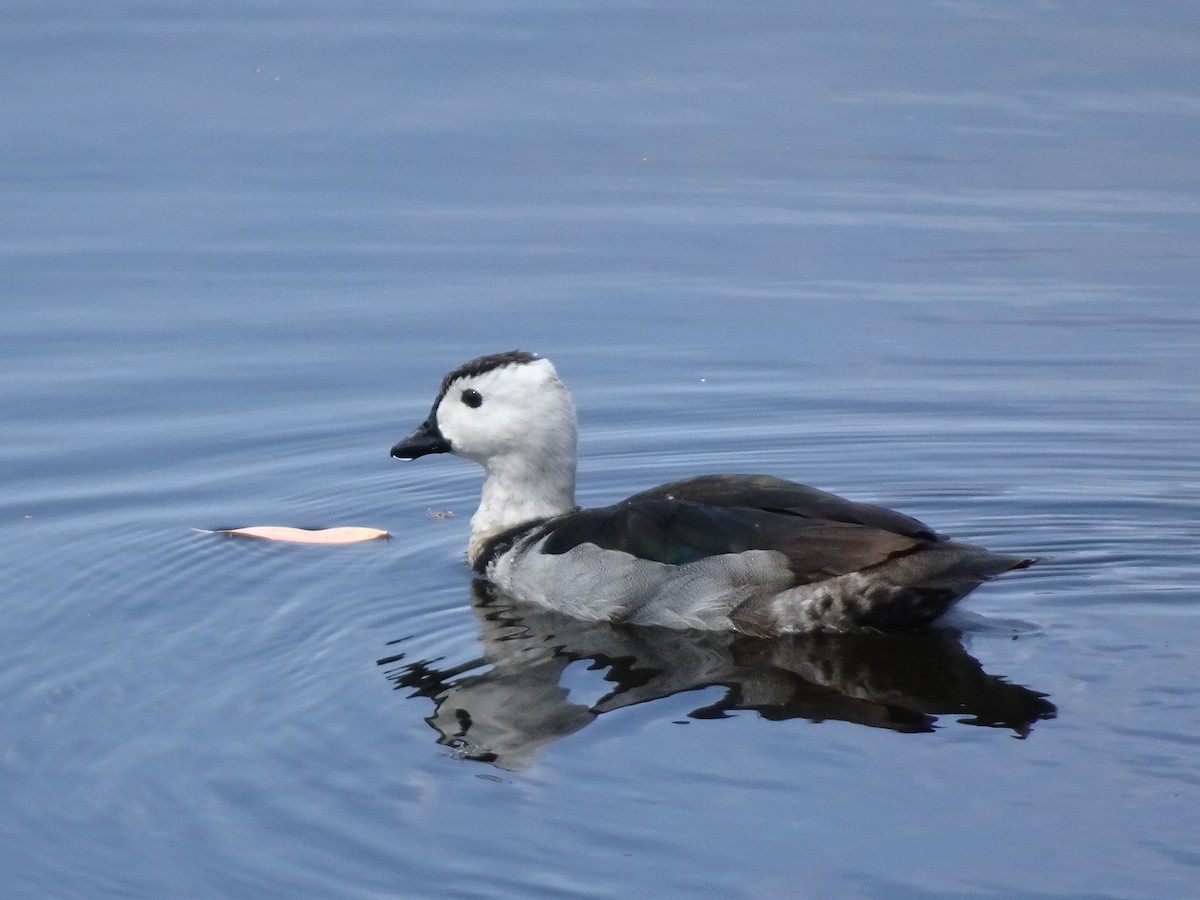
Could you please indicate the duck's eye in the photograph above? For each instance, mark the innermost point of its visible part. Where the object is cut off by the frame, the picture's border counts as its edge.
(472, 398)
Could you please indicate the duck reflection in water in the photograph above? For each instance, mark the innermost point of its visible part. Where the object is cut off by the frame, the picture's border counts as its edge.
(508, 704)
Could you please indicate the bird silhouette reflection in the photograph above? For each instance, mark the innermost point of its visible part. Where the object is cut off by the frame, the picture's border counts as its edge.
(509, 703)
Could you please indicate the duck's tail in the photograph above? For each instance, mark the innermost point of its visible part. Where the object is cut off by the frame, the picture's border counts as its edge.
(925, 584)
(903, 593)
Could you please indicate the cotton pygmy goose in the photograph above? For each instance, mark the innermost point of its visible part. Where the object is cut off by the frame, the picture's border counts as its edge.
(748, 553)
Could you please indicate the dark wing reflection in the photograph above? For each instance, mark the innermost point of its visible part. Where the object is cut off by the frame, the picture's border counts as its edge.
(509, 703)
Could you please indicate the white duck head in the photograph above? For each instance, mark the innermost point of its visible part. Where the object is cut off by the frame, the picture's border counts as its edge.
(510, 413)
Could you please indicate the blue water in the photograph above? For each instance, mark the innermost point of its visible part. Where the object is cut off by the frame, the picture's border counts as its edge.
(938, 255)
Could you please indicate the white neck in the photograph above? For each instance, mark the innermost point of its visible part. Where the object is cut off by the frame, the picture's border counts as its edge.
(519, 489)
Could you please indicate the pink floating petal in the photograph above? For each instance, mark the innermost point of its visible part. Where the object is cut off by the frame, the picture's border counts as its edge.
(347, 534)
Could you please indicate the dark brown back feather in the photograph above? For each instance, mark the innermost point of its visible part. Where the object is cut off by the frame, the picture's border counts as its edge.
(769, 493)
(821, 535)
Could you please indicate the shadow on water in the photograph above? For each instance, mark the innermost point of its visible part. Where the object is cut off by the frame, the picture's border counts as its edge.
(506, 705)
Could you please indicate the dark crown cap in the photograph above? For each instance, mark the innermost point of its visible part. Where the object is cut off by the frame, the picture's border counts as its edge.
(482, 364)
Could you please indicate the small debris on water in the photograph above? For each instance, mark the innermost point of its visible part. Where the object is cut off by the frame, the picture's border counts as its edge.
(346, 534)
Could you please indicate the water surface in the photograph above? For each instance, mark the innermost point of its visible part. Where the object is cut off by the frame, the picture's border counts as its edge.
(941, 257)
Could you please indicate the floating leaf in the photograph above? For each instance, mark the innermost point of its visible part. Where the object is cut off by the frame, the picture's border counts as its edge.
(346, 534)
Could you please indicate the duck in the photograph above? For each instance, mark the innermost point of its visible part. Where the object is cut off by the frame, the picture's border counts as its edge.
(754, 554)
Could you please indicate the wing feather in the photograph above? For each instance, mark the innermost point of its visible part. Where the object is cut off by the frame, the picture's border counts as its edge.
(669, 529)
(766, 492)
